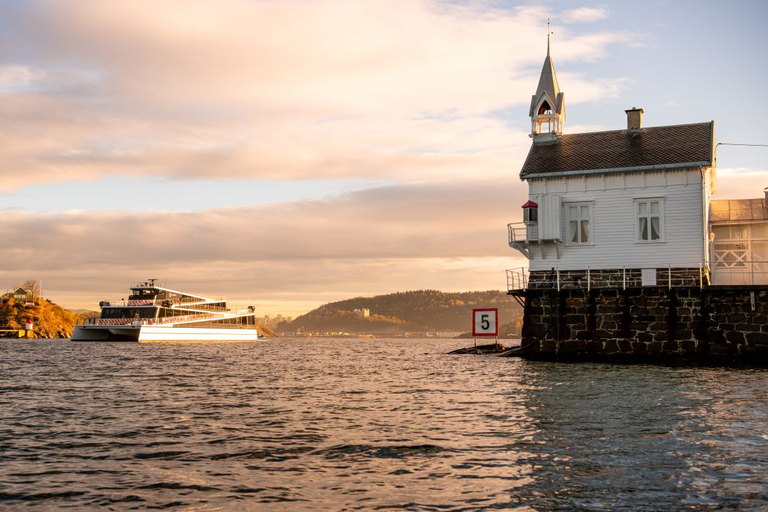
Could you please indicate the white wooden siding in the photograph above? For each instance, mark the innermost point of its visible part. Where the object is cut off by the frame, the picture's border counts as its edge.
(614, 223)
(549, 217)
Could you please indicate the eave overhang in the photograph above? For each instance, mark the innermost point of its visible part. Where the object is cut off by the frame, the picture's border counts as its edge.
(613, 170)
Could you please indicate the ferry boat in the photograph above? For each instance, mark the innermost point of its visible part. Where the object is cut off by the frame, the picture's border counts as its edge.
(155, 313)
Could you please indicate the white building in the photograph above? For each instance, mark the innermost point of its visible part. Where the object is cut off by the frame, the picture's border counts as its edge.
(621, 204)
(739, 238)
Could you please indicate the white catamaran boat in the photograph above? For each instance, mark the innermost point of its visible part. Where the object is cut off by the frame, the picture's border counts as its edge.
(154, 313)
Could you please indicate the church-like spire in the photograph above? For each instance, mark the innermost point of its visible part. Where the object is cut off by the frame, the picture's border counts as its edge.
(547, 110)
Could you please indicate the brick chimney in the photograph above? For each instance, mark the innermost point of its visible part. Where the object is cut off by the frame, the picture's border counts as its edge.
(634, 119)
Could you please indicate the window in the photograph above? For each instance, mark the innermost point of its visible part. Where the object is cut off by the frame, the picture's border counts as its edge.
(578, 220)
(530, 215)
(650, 216)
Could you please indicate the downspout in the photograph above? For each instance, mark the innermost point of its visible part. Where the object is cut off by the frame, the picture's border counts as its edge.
(708, 246)
(704, 218)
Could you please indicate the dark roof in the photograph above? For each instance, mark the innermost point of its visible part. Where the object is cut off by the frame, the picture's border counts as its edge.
(620, 150)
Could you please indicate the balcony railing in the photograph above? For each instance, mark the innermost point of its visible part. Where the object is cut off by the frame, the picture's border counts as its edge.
(518, 232)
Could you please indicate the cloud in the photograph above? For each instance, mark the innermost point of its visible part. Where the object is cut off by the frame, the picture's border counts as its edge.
(415, 94)
(585, 15)
(290, 90)
(740, 183)
(428, 235)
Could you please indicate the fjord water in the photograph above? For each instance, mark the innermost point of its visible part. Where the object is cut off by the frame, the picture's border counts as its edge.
(348, 424)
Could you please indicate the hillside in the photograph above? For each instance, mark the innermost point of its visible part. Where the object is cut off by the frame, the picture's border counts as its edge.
(414, 311)
(50, 320)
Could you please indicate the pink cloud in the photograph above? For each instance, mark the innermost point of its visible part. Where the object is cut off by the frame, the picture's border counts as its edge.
(288, 90)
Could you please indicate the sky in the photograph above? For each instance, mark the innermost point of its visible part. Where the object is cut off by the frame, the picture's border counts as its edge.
(286, 154)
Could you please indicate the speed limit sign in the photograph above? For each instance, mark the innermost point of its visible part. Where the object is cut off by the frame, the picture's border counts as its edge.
(485, 322)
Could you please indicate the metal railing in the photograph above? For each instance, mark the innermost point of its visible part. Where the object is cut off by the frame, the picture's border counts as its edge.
(518, 232)
(738, 272)
(155, 301)
(709, 273)
(521, 279)
(159, 321)
(517, 279)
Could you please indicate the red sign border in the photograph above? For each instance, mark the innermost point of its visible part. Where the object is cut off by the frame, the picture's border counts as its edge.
(496, 333)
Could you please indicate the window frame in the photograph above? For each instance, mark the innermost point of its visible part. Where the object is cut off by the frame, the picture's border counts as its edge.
(649, 216)
(579, 219)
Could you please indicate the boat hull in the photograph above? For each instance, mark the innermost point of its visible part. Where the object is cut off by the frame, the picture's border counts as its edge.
(153, 333)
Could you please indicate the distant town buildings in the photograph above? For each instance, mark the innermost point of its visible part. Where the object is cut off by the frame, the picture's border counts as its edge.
(273, 322)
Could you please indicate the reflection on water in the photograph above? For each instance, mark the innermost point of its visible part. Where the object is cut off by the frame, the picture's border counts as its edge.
(371, 424)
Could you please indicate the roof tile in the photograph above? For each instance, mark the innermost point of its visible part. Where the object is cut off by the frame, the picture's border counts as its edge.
(654, 146)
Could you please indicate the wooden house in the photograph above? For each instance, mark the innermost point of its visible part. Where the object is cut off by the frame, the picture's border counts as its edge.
(612, 205)
(21, 296)
(625, 248)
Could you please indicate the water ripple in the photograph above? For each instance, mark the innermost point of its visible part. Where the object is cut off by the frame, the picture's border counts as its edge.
(370, 425)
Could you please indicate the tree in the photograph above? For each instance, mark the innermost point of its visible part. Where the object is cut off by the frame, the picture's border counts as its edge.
(33, 286)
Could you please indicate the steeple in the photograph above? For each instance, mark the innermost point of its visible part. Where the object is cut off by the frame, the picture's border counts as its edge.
(547, 111)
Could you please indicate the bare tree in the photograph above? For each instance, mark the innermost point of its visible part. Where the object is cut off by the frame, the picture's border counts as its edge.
(32, 286)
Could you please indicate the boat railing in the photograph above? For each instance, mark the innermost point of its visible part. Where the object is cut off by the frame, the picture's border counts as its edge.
(181, 304)
(177, 319)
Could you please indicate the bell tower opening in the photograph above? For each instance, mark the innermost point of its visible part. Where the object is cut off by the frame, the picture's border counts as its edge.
(547, 110)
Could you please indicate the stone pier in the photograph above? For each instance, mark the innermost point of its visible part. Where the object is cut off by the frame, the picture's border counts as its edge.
(688, 324)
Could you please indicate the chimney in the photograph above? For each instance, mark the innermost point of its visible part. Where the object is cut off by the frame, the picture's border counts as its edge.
(634, 119)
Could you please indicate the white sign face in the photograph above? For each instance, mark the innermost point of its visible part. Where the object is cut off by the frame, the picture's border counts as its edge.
(485, 322)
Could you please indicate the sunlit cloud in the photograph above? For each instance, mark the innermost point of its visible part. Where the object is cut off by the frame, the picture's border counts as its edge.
(585, 15)
(412, 95)
(286, 90)
(364, 241)
(740, 183)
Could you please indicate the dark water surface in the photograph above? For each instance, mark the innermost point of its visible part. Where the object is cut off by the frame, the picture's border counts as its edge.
(370, 425)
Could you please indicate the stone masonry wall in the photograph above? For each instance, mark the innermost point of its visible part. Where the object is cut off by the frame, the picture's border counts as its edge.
(713, 325)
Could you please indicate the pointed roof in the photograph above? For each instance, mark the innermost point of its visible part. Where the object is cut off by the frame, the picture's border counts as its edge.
(547, 85)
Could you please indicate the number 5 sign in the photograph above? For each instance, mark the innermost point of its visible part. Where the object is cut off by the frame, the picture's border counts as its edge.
(485, 322)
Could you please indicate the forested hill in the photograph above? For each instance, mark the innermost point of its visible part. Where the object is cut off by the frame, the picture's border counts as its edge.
(414, 311)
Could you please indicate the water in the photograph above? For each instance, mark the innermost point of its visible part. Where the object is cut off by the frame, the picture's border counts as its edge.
(370, 425)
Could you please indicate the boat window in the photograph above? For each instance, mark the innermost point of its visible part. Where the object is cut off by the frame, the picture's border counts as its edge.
(128, 313)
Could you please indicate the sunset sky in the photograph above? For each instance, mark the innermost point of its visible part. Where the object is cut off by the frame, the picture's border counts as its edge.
(290, 153)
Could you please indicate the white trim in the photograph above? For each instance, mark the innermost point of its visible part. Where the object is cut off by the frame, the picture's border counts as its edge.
(660, 167)
(590, 219)
(662, 231)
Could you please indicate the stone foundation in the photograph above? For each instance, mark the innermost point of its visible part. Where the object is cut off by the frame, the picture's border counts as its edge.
(713, 325)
